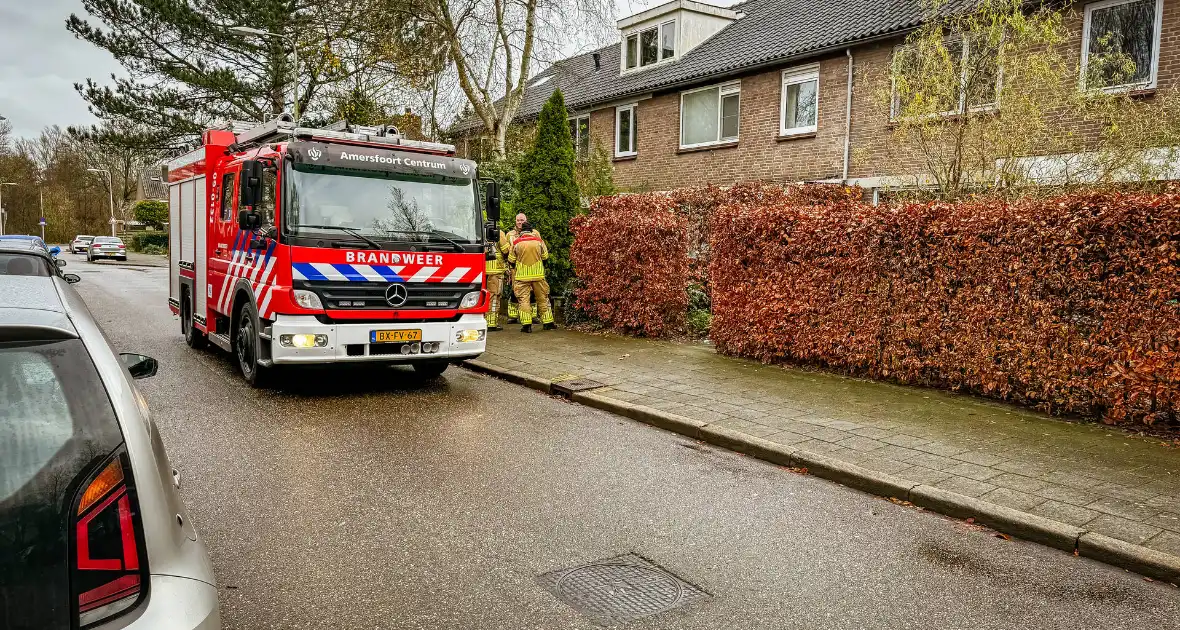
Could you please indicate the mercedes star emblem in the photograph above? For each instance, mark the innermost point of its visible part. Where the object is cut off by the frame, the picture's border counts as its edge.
(396, 295)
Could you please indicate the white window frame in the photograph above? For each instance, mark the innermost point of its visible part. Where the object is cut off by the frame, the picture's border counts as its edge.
(637, 34)
(660, 41)
(634, 148)
(627, 50)
(795, 76)
(578, 130)
(1155, 47)
(723, 90)
(963, 107)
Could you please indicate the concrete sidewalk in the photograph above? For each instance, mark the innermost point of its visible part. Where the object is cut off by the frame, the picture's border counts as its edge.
(1096, 481)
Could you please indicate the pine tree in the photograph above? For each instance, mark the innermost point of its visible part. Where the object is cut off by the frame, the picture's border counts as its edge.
(548, 193)
(186, 69)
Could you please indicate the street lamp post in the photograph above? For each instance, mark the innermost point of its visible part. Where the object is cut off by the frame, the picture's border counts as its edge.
(111, 191)
(2, 211)
(248, 30)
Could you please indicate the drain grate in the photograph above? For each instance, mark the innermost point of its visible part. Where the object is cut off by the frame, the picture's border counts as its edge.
(565, 388)
(620, 589)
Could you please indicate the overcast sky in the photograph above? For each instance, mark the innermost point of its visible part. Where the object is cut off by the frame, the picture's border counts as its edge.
(40, 61)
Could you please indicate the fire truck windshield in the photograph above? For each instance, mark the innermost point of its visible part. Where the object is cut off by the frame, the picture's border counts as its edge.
(380, 204)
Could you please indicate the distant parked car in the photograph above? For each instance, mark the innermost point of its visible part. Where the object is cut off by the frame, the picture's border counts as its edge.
(106, 247)
(93, 533)
(36, 240)
(80, 244)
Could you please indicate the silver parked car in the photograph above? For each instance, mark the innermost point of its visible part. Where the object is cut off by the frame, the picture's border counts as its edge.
(80, 244)
(92, 530)
(106, 247)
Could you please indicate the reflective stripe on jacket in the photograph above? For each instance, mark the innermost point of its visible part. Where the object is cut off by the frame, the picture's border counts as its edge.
(528, 252)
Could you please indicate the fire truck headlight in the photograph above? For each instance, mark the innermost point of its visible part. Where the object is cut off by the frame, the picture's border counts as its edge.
(303, 341)
(307, 299)
(469, 335)
(469, 300)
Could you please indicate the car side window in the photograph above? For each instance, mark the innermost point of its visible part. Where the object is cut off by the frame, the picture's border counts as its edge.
(227, 195)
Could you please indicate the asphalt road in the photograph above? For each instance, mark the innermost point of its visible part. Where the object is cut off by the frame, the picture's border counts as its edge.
(371, 499)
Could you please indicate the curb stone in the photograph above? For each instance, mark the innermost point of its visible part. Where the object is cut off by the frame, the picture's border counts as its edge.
(1145, 561)
(512, 376)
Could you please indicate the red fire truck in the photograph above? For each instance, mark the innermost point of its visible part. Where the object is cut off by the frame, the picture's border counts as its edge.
(292, 245)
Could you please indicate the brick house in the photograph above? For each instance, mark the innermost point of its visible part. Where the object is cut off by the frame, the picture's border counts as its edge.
(777, 90)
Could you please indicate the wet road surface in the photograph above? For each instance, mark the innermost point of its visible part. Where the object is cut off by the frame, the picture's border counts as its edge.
(369, 498)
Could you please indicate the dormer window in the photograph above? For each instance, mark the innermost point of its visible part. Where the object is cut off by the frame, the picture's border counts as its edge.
(651, 45)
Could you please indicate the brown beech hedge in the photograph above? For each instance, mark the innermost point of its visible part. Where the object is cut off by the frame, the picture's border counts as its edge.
(1070, 305)
(629, 255)
(635, 254)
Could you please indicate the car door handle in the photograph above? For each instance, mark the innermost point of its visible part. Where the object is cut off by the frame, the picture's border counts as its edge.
(176, 478)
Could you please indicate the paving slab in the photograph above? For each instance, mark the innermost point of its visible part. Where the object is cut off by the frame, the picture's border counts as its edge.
(1121, 489)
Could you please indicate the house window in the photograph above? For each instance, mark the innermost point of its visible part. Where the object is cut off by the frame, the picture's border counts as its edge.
(973, 71)
(667, 40)
(800, 101)
(651, 45)
(626, 130)
(580, 133)
(710, 115)
(1120, 44)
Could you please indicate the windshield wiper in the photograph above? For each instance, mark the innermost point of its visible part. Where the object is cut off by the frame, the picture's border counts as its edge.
(444, 235)
(347, 230)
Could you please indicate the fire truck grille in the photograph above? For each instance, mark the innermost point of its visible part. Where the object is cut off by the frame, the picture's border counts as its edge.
(371, 295)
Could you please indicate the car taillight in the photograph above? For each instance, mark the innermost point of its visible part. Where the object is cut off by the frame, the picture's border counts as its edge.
(110, 564)
(122, 246)
(95, 246)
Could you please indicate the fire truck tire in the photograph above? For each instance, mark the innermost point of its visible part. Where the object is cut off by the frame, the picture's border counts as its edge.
(430, 369)
(193, 337)
(245, 344)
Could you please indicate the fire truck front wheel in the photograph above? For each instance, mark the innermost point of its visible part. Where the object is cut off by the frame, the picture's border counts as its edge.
(246, 347)
(430, 369)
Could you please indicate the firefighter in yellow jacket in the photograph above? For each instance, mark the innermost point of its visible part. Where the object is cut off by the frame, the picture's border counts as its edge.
(495, 272)
(506, 246)
(528, 278)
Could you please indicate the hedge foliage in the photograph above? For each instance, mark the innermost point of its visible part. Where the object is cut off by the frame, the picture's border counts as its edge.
(1071, 304)
(139, 241)
(630, 258)
(640, 257)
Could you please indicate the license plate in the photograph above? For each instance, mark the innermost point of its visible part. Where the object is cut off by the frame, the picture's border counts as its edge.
(394, 336)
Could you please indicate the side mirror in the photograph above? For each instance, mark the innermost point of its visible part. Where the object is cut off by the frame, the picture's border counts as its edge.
(139, 365)
(249, 220)
(492, 201)
(72, 278)
(250, 188)
(60, 262)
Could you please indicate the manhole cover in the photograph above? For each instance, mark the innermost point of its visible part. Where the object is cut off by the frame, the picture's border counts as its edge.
(620, 589)
(574, 385)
